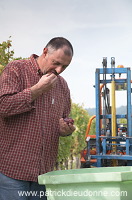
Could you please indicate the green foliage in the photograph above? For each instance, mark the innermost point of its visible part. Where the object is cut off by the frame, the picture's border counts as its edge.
(6, 54)
(1, 68)
(63, 151)
(81, 117)
(123, 121)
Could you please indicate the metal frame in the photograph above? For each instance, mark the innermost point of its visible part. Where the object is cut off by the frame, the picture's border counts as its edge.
(101, 142)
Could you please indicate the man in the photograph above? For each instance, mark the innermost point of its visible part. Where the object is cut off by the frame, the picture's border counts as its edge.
(34, 100)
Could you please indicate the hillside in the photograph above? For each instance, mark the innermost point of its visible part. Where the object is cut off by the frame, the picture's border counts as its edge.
(120, 110)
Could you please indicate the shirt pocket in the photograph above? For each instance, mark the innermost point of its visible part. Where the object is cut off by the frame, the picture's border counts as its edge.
(57, 106)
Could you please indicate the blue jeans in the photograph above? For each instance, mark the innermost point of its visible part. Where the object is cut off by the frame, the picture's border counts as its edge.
(20, 190)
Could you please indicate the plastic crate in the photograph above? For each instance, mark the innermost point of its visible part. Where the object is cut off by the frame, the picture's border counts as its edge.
(104, 183)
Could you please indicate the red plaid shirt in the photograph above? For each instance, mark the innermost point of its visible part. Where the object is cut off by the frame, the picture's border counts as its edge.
(29, 131)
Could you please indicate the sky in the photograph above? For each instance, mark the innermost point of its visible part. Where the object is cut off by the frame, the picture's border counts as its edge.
(96, 29)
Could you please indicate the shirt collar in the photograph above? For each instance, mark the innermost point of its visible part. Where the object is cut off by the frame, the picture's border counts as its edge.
(33, 59)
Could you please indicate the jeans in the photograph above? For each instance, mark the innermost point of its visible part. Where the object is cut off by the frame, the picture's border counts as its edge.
(12, 189)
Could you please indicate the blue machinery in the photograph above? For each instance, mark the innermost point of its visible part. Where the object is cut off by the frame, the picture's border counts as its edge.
(112, 144)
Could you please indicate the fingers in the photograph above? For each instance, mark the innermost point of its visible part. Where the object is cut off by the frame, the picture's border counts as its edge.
(66, 129)
(72, 127)
(47, 82)
(50, 77)
(53, 71)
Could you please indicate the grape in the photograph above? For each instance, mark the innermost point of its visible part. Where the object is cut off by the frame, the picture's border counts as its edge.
(55, 72)
(69, 121)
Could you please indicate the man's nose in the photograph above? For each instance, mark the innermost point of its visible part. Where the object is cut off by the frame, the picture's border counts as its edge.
(59, 69)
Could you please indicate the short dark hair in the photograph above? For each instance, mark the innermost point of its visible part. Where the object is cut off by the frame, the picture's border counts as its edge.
(59, 42)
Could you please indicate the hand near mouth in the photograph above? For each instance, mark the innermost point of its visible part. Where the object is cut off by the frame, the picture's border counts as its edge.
(46, 83)
(53, 72)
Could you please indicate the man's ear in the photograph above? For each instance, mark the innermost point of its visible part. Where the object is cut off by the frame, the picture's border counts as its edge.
(45, 51)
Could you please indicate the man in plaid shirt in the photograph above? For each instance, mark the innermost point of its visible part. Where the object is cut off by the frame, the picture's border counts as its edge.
(34, 100)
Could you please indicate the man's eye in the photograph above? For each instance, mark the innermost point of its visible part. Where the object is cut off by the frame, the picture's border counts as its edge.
(65, 66)
(56, 63)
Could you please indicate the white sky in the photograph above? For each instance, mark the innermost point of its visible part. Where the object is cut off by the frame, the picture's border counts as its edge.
(96, 28)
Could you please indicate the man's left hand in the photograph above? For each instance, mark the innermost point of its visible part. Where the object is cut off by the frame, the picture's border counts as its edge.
(66, 129)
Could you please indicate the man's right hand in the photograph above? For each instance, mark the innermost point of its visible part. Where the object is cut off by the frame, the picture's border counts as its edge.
(46, 82)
